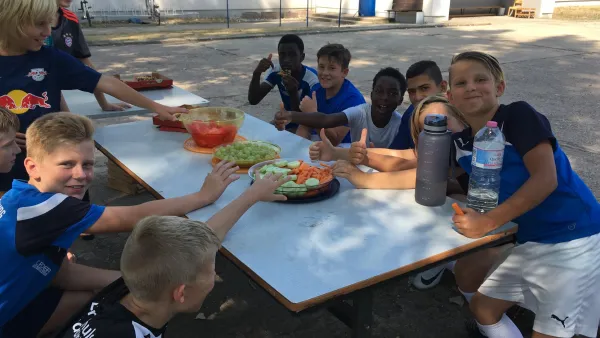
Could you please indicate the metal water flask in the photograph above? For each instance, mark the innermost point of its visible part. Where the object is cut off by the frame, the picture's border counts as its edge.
(433, 161)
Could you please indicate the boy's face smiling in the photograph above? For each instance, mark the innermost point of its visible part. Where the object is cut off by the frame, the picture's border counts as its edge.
(385, 97)
(330, 72)
(473, 89)
(290, 57)
(33, 36)
(69, 170)
(8, 151)
(422, 86)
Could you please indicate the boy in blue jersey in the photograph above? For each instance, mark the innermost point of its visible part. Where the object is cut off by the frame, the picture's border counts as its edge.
(41, 218)
(334, 93)
(293, 79)
(32, 75)
(424, 79)
(380, 118)
(554, 269)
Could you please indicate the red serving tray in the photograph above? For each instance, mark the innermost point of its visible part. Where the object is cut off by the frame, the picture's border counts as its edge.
(158, 81)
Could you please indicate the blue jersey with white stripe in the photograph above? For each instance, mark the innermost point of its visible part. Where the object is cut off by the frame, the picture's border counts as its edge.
(36, 229)
(309, 79)
(569, 212)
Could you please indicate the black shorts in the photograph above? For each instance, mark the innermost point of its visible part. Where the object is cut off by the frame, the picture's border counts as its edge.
(30, 321)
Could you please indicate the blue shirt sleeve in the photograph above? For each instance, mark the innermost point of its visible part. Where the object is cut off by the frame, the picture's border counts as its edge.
(525, 128)
(74, 74)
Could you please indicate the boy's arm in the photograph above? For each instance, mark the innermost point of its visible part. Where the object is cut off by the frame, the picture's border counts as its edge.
(123, 219)
(541, 183)
(311, 120)
(257, 90)
(261, 190)
(397, 180)
(115, 87)
(408, 154)
(102, 101)
(77, 277)
(387, 163)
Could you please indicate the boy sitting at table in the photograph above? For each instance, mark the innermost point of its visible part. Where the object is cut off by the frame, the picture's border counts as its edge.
(168, 267)
(424, 78)
(41, 218)
(380, 118)
(293, 79)
(333, 94)
(32, 75)
(554, 268)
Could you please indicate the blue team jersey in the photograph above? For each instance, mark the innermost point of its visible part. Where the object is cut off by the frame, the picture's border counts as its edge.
(570, 212)
(30, 84)
(404, 139)
(36, 229)
(309, 79)
(347, 97)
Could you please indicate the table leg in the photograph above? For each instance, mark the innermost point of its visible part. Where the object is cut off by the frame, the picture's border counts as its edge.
(359, 315)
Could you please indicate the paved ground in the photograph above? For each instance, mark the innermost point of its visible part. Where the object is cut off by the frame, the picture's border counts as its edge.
(553, 65)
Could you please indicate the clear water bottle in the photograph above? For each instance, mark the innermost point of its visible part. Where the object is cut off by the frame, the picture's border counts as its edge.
(433, 155)
(484, 181)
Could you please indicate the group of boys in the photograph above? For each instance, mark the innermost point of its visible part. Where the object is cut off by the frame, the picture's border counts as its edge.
(167, 265)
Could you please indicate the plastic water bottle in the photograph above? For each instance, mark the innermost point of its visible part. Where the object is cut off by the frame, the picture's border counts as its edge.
(433, 161)
(484, 181)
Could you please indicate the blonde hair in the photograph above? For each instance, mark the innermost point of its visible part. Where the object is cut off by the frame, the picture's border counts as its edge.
(415, 126)
(164, 252)
(51, 131)
(8, 121)
(488, 61)
(15, 15)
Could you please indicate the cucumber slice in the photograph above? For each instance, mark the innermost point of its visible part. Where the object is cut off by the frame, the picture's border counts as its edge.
(264, 168)
(311, 182)
(281, 164)
(293, 164)
(293, 177)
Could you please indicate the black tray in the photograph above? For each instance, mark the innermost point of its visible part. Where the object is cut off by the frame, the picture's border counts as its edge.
(333, 189)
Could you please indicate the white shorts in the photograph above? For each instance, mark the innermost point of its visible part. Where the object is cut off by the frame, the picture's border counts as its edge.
(559, 282)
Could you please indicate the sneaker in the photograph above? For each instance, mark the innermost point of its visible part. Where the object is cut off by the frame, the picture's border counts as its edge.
(430, 278)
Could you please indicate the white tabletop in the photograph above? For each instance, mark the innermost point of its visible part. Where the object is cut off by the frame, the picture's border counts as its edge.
(84, 103)
(305, 251)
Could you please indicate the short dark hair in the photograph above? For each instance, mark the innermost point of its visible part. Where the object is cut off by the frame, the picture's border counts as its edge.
(292, 38)
(427, 67)
(393, 73)
(337, 52)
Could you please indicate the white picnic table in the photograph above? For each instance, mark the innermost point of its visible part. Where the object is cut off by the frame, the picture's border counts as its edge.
(85, 104)
(302, 254)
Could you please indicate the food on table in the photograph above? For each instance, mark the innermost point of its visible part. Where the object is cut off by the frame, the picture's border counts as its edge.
(140, 78)
(212, 126)
(303, 176)
(248, 152)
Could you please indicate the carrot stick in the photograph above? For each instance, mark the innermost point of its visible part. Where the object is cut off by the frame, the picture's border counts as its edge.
(457, 209)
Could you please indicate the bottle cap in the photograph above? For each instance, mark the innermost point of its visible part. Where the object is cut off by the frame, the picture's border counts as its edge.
(492, 124)
(436, 123)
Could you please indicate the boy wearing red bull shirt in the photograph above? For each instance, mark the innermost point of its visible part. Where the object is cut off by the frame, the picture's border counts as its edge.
(34, 75)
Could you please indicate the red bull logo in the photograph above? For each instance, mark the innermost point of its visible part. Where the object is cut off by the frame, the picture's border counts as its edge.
(20, 102)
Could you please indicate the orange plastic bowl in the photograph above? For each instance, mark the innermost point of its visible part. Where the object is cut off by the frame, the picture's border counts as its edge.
(212, 126)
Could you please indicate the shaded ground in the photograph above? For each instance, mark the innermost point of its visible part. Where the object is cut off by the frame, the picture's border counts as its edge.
(553, 65)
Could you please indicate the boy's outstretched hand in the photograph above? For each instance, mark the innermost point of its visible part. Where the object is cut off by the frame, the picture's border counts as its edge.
(264, 64)
(309, 104)
(358, 150)
(349, 171)
(263, 189)
(322, 150)
(218, 180)
(290, 84)
(282, 118)
(473, 224)
(168, 113)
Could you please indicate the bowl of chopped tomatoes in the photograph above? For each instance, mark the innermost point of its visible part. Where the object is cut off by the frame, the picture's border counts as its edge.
(212, 126)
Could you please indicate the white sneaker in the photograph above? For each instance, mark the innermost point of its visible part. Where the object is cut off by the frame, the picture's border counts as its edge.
(431, 278)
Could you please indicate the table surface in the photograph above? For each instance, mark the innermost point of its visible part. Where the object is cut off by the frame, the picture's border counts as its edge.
(302, 254)
(84, 103)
